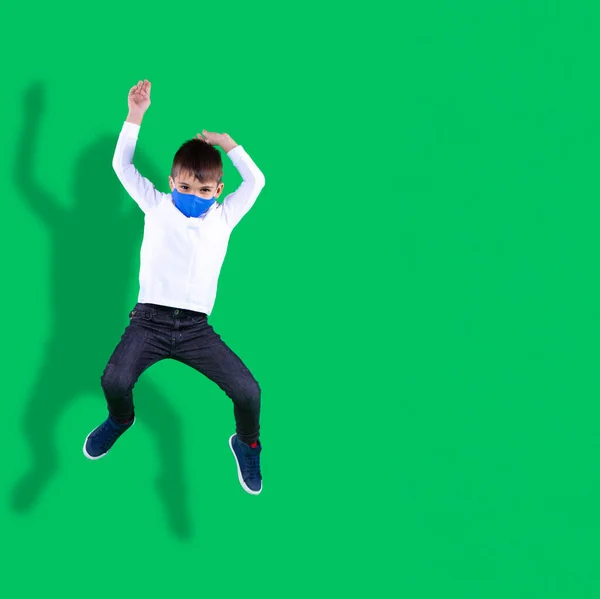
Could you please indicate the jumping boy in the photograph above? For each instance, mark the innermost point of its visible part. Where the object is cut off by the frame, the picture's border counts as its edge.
(185, 241)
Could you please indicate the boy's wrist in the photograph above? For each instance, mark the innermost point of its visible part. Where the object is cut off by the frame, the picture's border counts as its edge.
(228, 145)
(134, 118)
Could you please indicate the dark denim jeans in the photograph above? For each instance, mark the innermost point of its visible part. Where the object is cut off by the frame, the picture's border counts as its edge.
(156, 333)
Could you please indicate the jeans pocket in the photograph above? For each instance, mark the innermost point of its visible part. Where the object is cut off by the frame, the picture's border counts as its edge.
(140, 314)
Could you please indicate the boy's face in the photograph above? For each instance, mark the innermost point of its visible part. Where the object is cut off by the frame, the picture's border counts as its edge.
(187, 183)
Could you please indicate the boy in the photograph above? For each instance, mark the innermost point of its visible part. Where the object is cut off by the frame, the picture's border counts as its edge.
(185, 241)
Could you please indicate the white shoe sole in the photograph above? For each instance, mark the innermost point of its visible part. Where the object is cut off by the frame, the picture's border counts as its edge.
(244, 485)
(90, 457)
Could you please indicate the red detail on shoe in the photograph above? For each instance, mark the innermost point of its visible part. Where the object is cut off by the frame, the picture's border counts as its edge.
(254, 445)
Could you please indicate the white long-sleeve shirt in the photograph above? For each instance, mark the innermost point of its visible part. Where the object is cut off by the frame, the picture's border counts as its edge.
(181, 257)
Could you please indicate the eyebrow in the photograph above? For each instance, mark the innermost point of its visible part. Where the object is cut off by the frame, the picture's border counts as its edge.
(204, 185)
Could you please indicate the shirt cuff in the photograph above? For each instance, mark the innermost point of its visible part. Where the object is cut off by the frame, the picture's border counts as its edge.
(131, 129)
(237, 151)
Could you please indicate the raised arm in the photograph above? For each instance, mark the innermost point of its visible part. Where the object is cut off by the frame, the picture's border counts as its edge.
(138, 187)
(239, 202)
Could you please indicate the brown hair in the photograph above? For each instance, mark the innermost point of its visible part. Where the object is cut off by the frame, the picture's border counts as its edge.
(199, 158)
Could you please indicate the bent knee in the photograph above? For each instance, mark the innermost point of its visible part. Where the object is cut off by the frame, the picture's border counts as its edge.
(247, 394)
(116, 380)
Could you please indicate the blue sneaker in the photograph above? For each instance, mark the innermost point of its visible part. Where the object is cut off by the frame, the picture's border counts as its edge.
(101, 439)
(248, 465)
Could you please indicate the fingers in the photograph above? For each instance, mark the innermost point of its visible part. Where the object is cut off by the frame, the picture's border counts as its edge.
(135, 89)
(208, 136)
(142, 87)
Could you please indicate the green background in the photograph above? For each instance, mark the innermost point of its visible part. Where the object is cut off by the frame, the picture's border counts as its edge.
(415, 290)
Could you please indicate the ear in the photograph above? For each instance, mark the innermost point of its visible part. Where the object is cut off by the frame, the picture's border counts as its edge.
(171, 183)
(219, 189)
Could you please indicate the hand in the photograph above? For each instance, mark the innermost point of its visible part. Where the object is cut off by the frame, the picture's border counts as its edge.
(218, 139)
(138, 99)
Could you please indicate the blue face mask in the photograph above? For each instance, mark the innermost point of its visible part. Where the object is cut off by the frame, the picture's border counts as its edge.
(191, 205)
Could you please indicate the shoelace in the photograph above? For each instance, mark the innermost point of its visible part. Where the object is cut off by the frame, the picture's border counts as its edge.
(252, 465)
